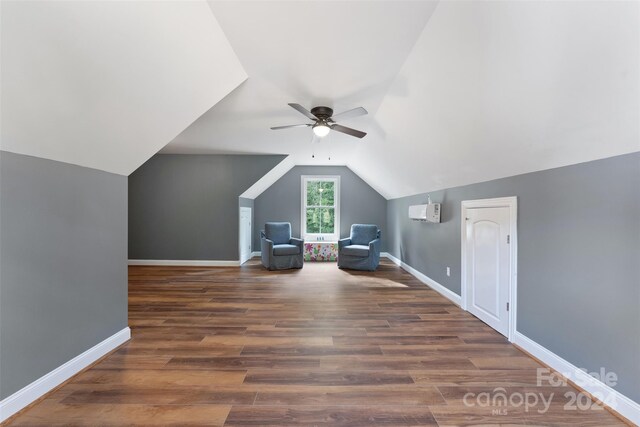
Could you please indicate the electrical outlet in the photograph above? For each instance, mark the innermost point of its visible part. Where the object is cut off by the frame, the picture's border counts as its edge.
(449, 271)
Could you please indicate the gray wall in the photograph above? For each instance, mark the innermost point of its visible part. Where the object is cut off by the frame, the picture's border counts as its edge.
(359, 203)
(63, 264)
(578, 257)
(185, 207)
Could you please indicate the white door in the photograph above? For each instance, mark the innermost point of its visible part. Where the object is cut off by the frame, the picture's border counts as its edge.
(488, 265)
(245, 234)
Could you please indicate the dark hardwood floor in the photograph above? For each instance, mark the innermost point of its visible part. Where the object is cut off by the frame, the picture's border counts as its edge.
(318, 346)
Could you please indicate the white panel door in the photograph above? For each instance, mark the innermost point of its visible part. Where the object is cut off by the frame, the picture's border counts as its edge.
(245, 234)
(488, 265)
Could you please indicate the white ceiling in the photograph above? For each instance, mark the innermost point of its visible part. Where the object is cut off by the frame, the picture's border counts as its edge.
(342, 54)
(106, 84)
(484, 89)
(495, 89)
(458, 91)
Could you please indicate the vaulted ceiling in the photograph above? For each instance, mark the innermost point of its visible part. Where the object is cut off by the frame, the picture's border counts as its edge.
(342, 54)
(458, 91)
(106, 84)
(499, 88)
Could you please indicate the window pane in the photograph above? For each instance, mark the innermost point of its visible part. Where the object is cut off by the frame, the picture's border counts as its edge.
(313, 220)
(313, 195)
(327, 193)
(327, 218)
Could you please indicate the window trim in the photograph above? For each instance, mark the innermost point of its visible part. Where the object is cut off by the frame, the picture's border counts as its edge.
(328, 237)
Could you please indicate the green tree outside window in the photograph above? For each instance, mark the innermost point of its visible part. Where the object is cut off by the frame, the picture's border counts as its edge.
(320, 214)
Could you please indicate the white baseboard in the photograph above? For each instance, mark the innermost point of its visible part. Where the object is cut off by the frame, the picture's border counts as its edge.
(32, 392)
(256, 253)
(612, 398)
(452, 296)
(184, 262)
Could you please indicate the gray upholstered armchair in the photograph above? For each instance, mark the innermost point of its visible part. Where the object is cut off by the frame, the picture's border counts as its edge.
(360, 251)
(280, 251)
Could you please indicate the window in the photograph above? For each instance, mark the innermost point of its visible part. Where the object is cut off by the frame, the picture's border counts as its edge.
(321, 207)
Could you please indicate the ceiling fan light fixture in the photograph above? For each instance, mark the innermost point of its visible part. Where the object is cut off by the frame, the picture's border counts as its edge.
(321, 130)
(324, 120)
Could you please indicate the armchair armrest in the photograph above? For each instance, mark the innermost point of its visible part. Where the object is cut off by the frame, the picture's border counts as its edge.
(266, 245)
(374, 246)
(297, 242)
(344, 242)
(374, 252)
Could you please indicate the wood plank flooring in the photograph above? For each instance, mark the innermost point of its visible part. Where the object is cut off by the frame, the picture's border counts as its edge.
(318, 346)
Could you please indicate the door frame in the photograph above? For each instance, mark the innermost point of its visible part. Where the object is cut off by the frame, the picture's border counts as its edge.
(240, 242)
(512, 204)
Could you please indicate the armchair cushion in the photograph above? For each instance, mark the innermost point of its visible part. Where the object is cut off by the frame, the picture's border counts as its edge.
(362, 234)
(278, 232)
(356, 250)
(286, 249)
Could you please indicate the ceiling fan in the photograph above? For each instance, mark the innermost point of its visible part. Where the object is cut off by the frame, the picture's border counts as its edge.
(324, 120)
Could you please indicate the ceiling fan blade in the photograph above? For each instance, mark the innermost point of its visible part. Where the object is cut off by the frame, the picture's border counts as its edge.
(348, 131)
(303, 110)
(349, 114)
(291, 126)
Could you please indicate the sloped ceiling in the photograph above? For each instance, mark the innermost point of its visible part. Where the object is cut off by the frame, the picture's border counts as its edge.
(495, 89)
(106, 84)
(342, 54)
(458, 91)
(469, 92)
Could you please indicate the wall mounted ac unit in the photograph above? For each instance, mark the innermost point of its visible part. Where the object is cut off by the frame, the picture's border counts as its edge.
(429, 212)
